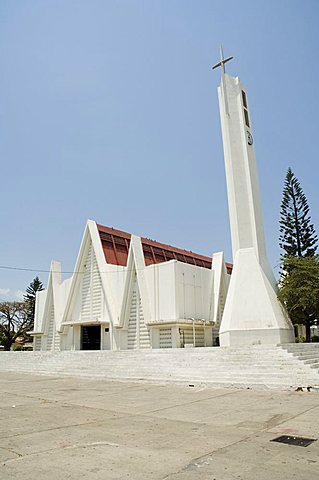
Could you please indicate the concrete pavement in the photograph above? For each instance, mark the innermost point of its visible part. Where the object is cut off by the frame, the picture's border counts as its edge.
(71, 428)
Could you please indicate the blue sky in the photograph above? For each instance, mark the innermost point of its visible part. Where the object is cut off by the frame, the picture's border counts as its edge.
(109, 111)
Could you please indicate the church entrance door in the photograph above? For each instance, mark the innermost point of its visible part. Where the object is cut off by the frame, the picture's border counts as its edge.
(91, 337)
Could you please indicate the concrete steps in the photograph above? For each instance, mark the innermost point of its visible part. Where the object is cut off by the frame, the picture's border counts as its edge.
(243, 367)
(308, 353)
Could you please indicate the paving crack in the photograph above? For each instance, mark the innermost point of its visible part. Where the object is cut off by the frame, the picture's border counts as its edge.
(67, 447)
(189, 403)
(206, 458)
(10, 450)
(46, 430)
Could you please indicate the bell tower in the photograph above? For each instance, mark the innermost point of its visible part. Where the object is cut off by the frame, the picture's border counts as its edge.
(252, 313)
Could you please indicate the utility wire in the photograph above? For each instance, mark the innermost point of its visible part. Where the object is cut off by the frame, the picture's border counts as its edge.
(4, 267)
(125, 269)
(71, 272)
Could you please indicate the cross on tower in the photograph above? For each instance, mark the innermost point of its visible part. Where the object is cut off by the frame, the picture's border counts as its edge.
(222, 61)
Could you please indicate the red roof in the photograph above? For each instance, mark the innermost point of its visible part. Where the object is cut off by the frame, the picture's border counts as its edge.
(116, 244)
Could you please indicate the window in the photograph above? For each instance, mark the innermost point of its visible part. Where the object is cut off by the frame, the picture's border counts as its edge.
(244, 98)
(246, 117)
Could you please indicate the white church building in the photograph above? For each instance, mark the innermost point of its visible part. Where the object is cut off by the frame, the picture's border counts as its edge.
(129, 292)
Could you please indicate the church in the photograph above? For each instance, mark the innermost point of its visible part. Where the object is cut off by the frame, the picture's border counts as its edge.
(129, 292)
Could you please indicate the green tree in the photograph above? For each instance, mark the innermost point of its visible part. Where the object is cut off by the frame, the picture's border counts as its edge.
(35, 286)
(14, 323)
(299, 290)
(297, 233)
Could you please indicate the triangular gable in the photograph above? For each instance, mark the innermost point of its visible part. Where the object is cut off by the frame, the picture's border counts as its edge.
(91, 288)
(138, 335)
(128, 290)
(135, 272)
(47, 305)
(91, 272)
(49, 318)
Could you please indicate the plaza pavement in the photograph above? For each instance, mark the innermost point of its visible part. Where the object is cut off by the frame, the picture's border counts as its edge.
(68, 428)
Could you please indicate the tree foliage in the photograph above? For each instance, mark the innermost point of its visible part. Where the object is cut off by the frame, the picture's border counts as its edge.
(299, 285)
(14, 323)
(297, 234)
(299, 290)
(17, 318)
(35, 286)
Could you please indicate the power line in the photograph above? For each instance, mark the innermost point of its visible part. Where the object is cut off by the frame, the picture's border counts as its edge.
(4, 267)
(125, 269)
(71, 272)
(39, 270)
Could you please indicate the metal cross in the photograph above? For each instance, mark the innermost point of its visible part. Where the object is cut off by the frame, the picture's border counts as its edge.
(222, 61)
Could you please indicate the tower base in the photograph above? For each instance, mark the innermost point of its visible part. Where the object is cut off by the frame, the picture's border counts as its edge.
(255, 337)
(253, 314)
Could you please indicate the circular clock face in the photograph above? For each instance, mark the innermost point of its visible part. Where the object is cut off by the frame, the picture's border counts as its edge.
(250, 139)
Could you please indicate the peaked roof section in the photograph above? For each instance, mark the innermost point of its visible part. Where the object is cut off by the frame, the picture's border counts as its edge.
(116, 244)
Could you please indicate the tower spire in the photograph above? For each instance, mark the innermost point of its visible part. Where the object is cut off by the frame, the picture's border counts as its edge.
(252, 313)
(222, 65)
(222, 61)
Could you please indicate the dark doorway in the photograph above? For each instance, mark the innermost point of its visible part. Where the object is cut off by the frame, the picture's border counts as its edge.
(91, 337)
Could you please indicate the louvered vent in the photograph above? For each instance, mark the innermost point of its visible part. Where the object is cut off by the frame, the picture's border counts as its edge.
(57, 345)
(91, 289)
(37, 343)
(143, 330)
(138, 335)
(51, 327)
(187, 337)
(131, 332)
(199, 337)
(165, 338)
(221, 307)
(96, 290)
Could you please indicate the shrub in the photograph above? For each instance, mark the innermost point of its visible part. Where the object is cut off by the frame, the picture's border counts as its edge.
(300, 339)
(16, 347)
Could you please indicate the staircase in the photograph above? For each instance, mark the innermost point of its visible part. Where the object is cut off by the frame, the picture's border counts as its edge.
(308, 353)
(260, 366)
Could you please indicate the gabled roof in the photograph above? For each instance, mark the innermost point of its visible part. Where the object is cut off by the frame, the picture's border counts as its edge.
(116, 244)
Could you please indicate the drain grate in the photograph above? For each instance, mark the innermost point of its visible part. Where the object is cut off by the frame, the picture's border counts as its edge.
(298, 441)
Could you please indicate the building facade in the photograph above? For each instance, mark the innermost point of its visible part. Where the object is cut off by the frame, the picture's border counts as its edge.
(128, 292)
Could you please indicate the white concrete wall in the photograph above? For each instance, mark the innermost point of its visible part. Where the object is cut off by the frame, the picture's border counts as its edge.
(39, 310)
(114, 276)
(105, 338)
(193, 291)
(160, 280)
